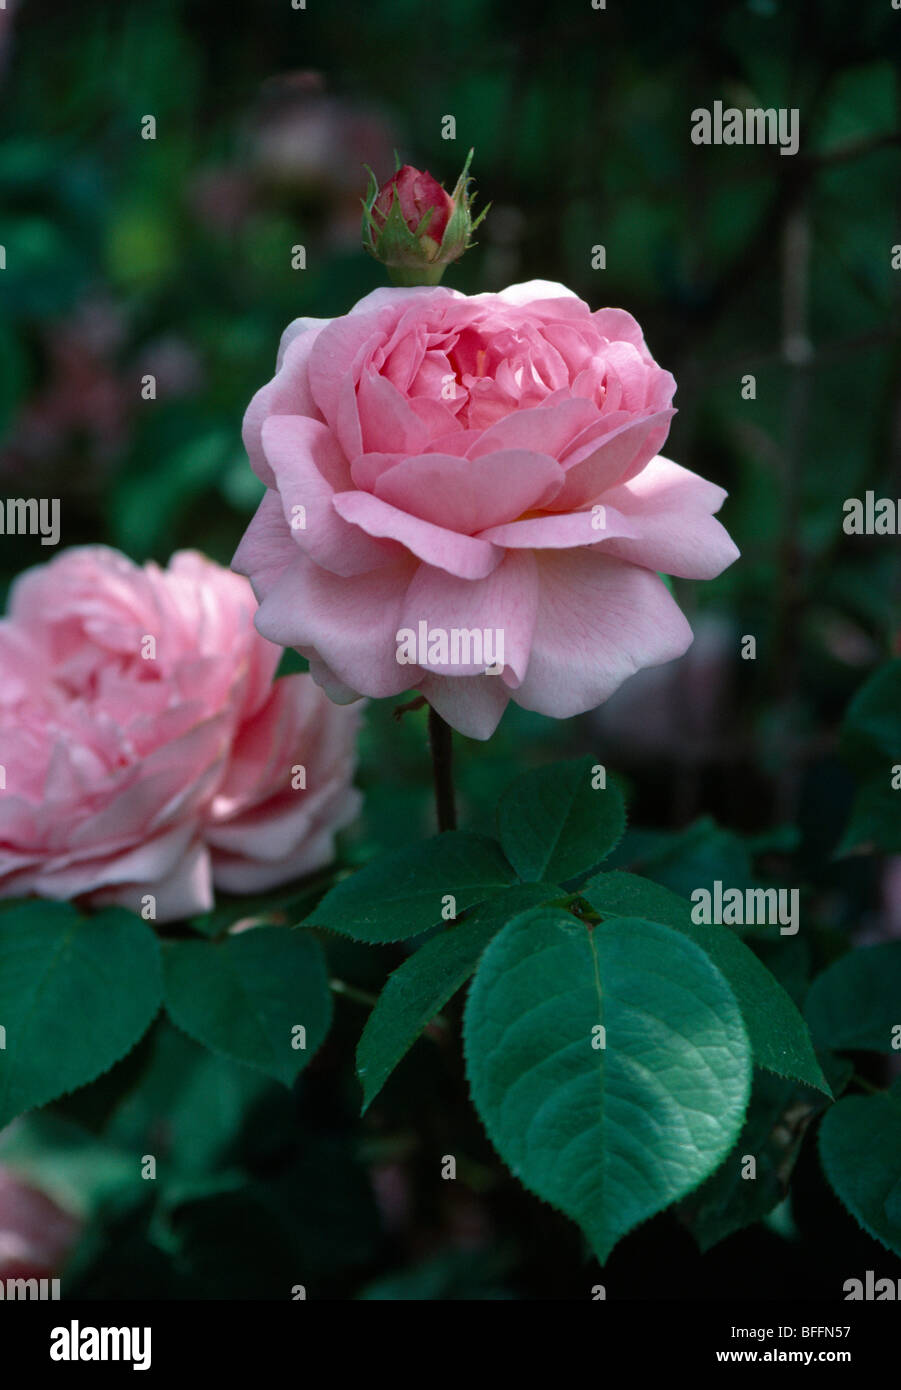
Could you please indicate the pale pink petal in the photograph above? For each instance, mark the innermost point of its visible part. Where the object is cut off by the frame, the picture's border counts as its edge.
(599, 621)
(267, 547)
(625, 449)
(461, 555)
(532, 291)
(350, 622)
(544, 429)
(288, 393)
(563, 532)
(670, 509)
(471, 704)
(388, 422)
(506, 603)
(469, 495)
(309, 466)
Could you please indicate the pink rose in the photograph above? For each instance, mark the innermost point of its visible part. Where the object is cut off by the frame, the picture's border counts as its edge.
(485, 464)
(145, 746)
(36, 1235)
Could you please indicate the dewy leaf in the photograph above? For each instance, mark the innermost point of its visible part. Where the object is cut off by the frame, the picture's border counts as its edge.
(856, 1002)
(560, 821)
(779, 1036)
(76, 994)
(404, 893)
(860, 1148)
(420, 987)
(612, 1133)
(260, 997)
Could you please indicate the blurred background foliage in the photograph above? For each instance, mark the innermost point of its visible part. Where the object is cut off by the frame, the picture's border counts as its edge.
(173, 256)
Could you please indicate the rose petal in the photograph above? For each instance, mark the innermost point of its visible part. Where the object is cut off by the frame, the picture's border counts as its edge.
(460, 555)
(350, 622)
(505, 602)
(599, 620)
(669, 509)
(308, 466)
(469, 495)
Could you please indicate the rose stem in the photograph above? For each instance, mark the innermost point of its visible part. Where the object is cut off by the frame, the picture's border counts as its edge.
(441, 745)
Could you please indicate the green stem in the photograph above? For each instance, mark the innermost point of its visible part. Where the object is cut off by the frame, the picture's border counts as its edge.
(360, 996)
(441, 744)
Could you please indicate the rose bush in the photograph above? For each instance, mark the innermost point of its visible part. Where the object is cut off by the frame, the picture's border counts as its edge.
(487, 462)
(146, 748)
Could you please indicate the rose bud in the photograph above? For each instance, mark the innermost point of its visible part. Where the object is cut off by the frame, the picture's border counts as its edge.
(414, 227)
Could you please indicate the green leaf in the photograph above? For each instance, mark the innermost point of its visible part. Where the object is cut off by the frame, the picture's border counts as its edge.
(871, 732)
(856, 1002)
(860, 1148)
(609, 1135)
(875, 820)
(778, 1116)
(871, 742)
(689, 859)
(189, 1104)
(402, 894)
(76, 994)
(420, 987)
(243, 996)
(553, 823)
(75, 1168)
(778, 1034)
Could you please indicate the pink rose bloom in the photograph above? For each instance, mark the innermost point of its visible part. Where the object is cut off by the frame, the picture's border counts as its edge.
(36, 1235)
(487, 463)
(146, 748)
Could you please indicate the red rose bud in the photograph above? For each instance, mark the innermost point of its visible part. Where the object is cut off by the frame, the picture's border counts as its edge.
(418, 194)
(414, 227)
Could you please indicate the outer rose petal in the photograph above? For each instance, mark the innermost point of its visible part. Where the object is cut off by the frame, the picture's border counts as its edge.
(288, 393)
(184, 891)
(599, 620)
(562, 531)
(531, 290)
(670, 509)
(267, 548)
(471, 704)
(464, 556)
(308, 467)
(506, 600)
(351, 623)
